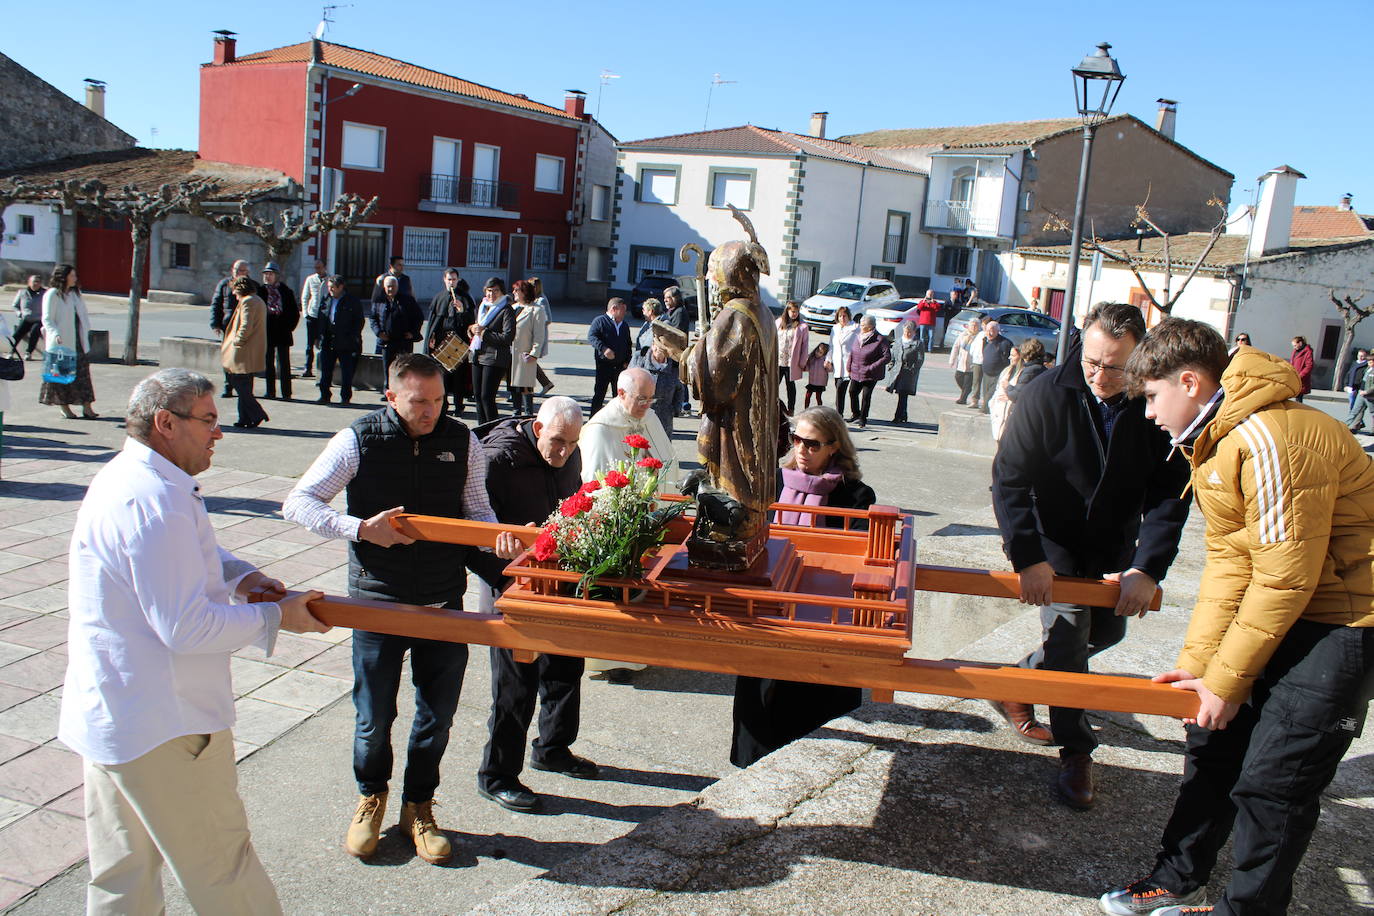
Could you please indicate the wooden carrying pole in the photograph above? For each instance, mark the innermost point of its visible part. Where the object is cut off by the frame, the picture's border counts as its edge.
(760, 647)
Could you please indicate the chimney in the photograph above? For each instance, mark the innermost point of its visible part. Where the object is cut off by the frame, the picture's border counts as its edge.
(225, 44)
(1347, 202)
(1274, 217)
(1168, 114)
(575, 103)
(95, 96)
(818, 124)
(316, 52)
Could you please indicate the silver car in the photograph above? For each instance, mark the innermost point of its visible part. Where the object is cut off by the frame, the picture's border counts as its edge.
(1017, 324)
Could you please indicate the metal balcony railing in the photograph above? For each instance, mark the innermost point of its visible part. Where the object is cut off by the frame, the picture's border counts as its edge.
(470, 192)
(959, 215)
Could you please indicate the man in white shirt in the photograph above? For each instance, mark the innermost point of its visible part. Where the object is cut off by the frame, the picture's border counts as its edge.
(312, 296)
(156, 610)
(603, 438)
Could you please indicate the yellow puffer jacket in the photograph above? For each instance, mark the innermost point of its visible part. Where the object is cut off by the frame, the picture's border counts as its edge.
(1288, 496)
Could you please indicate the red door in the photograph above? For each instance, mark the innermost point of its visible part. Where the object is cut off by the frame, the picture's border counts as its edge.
(1056, 304)
(105, 254)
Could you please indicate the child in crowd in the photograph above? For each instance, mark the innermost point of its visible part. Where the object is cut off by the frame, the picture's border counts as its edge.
(817, 376)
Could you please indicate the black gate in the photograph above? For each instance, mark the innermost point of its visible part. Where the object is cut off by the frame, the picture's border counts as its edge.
(360, 255)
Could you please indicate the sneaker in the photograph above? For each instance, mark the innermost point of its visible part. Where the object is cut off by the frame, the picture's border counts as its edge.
(366, 827)
(1145, 898)
(417, 822)
(1184, 911)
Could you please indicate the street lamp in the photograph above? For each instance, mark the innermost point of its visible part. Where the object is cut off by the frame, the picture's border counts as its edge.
(1097, 72)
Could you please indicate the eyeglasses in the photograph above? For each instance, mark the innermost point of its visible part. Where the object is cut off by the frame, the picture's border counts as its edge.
(810, 445)
(212, 422)
(1092, 367)
(649, 402)
(1242, 340)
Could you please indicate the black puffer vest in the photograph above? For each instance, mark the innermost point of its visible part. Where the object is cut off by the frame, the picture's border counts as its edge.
(424, 475)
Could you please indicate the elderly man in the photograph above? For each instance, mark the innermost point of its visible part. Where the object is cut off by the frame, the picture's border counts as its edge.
(312, 294)
(283, 314)
(396, 320)
(609, 337)
(28, 308)
(406, 456)
(533, 465)
(603, 440)
(997, 349)
(156, 609)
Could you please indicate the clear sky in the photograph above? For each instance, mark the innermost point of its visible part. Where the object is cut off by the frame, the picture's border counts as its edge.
(1259, 83)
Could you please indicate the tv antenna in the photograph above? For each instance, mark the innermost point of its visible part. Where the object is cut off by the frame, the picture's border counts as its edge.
(606, 77)
(326, 19)
(715, 81)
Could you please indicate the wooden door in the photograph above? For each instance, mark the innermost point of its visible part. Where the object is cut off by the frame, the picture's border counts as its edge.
(517, 258)
(1055, 304)
(359, 256)
(105, 255)
(1141, 300)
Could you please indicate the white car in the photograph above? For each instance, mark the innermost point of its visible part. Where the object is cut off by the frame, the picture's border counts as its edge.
(857, 293)
(888, 320)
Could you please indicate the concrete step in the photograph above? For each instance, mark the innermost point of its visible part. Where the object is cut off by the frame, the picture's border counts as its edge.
(175, 297)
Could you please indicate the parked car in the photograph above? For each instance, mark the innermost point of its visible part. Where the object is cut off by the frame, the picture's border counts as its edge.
(651, 286)
(1017, 324)
(888, 319)
(858, 293)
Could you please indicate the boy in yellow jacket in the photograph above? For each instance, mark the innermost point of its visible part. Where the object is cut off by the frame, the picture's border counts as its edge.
(1280, 649)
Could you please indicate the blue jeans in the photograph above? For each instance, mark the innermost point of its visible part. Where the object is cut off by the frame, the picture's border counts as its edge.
(927, 334)
(436, 669)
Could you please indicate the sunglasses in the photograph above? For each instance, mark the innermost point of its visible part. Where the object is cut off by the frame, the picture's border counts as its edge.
(810, 445)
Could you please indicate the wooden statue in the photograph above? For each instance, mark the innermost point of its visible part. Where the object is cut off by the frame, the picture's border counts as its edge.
(734, 371)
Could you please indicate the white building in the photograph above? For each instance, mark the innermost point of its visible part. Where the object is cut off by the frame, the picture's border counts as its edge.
(822, 208)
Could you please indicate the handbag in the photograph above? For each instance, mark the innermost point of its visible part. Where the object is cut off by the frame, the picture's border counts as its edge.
(11, 367)
(59, 365)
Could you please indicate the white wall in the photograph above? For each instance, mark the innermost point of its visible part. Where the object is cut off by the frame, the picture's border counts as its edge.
(42, 245)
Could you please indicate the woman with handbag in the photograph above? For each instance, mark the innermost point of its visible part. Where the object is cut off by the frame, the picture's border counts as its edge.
(66, 323)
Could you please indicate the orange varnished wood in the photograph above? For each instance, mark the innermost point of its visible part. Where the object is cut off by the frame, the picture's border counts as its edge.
(996, 584)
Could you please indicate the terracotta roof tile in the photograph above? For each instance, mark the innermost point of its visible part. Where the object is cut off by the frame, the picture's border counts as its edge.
(1185, 248)
(1006, 133)
(149, 169)
(753, 139)
(1326, 223)
(373, 64)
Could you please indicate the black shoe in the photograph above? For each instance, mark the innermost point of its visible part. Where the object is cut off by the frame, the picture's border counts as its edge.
(572, 765)
(961, 401)
(323, 399)
(345, 400)
(514, 798)
(227, 393)
(306, 374)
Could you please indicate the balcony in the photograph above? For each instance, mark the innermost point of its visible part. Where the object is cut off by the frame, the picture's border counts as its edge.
(959, 216)
(469, 196)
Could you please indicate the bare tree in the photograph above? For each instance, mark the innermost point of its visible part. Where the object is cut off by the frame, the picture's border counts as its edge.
(1352, 313)
(1137, 264)
(15, 189)
(281, 233)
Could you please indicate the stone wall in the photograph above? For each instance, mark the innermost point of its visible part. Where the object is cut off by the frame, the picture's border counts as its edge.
(39, 123)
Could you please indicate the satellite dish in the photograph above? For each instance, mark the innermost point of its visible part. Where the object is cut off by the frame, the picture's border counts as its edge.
(320, 29)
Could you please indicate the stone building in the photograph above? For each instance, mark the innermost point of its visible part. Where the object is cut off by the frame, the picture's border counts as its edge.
(39, 122)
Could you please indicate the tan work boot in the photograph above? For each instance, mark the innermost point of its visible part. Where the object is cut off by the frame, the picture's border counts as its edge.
(366, 827)
(417, 820)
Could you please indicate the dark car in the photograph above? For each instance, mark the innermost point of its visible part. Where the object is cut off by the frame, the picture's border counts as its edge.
(1017, 324)
(652, 287)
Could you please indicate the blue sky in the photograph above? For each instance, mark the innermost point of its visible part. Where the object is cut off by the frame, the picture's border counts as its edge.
(1259, 83)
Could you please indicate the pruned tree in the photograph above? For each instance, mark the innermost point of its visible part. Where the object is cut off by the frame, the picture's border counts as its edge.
(280, 233)
(1138, 264)
(13, 190)
(1352, 313)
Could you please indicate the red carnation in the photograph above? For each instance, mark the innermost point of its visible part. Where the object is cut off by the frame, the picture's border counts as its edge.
(576, 504)
(545, 546)
(649, 462)
(590, 486)
(636, 441)
(616, 479)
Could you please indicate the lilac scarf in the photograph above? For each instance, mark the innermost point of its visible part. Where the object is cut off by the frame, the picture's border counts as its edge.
(803, 489)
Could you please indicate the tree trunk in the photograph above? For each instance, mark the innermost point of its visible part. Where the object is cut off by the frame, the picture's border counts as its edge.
(140, 231)
(1350, 319)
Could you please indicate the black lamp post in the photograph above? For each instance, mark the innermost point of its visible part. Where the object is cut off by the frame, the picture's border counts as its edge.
(1096, 82)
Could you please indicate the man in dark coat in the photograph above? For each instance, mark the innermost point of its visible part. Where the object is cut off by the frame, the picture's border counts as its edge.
(1084, 485)
(283, 314)
(452, 312)
(996, 357)
(609, 337)
(533, 465)
(396, 320)
(340, 326)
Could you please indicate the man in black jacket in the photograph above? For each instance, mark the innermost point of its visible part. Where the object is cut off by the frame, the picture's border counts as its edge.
(533, 465)
(996, 357)
(609, 337)
(283, 314)
(1084, 485)
(396, 320)
(340, 326)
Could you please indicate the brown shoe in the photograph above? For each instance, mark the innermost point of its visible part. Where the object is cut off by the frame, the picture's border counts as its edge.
(1021, 717)
(366, 827)
(417, 821)
(1075, 781)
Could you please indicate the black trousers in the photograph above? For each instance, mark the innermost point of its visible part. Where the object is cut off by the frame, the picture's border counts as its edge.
(250, 411)
(989, 388)
(557, 681)
(486, 382)
(606, 374)
(841, 390)
(861, 398)
(278, 363)
(312, 330)
(29, 329)
(347, 363)
(768, 713)
(785, 379)
(899, 416)
(1265, 772)
(389, 353)
(1072, 634)
(965, 382)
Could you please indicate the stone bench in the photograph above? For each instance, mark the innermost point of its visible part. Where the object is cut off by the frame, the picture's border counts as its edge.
(968, 431)
(201, 354)
(100, 347)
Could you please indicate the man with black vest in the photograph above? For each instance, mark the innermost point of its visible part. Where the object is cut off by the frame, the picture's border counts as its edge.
(407, 456)
(534, 464)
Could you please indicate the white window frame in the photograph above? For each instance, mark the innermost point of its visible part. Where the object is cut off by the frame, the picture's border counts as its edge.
(495, 159)
(562, 165)
(597, 260)
(553, 252)
(472, 236)
(601, 194)
(715, 176)
(412, 260)
(646, 184)
(457, 155)
(381, 147)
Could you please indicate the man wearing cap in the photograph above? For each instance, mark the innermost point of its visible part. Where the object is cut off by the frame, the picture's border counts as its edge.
(283, 314)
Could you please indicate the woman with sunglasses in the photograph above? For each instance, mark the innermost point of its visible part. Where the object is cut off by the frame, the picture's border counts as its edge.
(822, 469)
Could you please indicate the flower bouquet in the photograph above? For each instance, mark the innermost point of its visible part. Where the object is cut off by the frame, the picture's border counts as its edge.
(606, 527)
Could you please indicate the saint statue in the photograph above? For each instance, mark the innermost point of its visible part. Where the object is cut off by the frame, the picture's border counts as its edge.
(734, 371)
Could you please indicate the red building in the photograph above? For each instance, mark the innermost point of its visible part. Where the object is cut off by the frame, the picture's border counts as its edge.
(467, 176)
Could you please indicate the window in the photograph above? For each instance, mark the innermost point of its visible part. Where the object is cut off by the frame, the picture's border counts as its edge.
(658, 186)
(804, 274)
(597, 258)
(26, 224)
(961, 187)
(601, 202)
(881, 272)
(732, 188)
(426, 247)
(952, 262)
(879, 290)
(180, 255)
(548, 173)
(484, 249)
(894, 244)
(541, 252)
(363, 146)
(645, 261)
